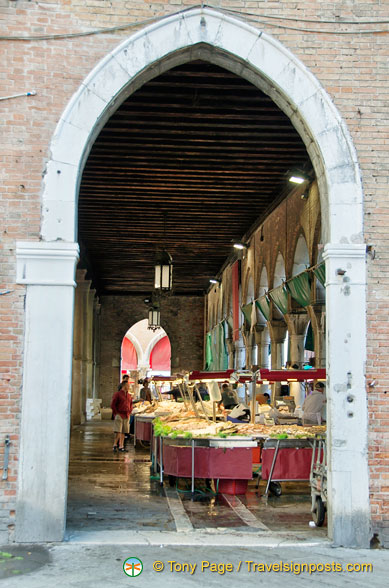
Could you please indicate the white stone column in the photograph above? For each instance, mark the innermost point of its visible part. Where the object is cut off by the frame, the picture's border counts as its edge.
(348, 482)
(47, 269)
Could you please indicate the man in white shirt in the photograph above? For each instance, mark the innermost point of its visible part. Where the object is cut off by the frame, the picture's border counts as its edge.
(313, 405)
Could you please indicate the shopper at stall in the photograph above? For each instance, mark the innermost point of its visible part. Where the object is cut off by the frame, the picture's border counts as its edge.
(229, 397)
(313, 405)
(145, 392)
(121, 410)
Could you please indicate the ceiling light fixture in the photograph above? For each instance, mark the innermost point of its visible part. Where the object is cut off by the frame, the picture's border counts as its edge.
(298, 176)
(239, 245)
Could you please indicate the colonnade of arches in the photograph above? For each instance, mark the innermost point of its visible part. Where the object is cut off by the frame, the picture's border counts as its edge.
(281, 294)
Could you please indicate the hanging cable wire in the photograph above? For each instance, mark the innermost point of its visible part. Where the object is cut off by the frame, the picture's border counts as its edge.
(249, 16)
(298, 19)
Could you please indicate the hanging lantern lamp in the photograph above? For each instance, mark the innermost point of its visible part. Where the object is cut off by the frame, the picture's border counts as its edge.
(154, 318)
(163, 280)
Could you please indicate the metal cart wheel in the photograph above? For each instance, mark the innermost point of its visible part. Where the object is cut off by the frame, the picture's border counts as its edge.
(275, 488)
(319, 512)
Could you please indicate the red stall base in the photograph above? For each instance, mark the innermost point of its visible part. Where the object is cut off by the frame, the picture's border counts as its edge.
(210, 462)
(143, 431)
(291, 464)
(232, 486)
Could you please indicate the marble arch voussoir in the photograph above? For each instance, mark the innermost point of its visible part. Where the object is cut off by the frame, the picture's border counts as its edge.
(230, 43)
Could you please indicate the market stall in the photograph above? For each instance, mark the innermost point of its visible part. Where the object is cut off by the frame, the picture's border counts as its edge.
(188, 445)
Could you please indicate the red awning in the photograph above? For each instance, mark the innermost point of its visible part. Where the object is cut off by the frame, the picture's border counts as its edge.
(129, 356)
(160, 355)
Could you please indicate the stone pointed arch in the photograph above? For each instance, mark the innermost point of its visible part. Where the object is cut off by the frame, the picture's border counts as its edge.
(301, 255)
(202, 33)
(199, 33)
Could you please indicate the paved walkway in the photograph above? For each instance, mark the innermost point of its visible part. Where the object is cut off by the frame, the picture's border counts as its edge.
(101, 565)
(117, 510)
(117, 492)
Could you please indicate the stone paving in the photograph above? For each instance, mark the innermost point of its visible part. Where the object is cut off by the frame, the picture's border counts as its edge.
(117, 510)
(110, 491)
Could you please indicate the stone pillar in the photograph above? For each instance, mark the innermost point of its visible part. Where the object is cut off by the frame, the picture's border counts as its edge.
(88, 345)
(317, 316)
(277, 334)
(76, 405)
(47, 269)
(82, 341)
(96, 348)
(347, 439)
(240, 353)
(231, 353)
(262, 339)
(297, 328)
(247, 338)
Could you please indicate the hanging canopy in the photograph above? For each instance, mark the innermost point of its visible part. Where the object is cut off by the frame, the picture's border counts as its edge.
(280, 298)
(160, 355)
(320, 273)
(300, 288)
(129, 356)
(246, 310)
(263, 304)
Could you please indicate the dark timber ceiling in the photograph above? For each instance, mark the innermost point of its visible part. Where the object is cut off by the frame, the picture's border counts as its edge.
(203, 147)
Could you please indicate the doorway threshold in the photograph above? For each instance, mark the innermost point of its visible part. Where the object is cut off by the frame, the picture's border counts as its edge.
(206, 537)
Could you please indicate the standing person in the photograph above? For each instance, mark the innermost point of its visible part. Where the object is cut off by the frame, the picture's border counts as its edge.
(121, 409)
(145, 392)
(313, 405)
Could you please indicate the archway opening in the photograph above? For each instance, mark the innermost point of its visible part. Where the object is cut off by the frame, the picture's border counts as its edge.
(146, 351)
(321, 133)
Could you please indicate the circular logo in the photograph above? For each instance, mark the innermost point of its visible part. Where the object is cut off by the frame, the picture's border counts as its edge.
(132, 566)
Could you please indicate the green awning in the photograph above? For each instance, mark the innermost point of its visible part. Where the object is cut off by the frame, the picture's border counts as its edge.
(280, 298)
(320, 273)
(247, 312)
(300, 288)
(208, 352)
(309, 339)
(263, 304)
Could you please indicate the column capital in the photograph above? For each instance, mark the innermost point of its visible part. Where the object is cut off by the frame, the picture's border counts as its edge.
(46, 264)
(342, 250)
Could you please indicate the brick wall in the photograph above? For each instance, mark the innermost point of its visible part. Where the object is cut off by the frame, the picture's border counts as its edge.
(351, 67)
(182, 317)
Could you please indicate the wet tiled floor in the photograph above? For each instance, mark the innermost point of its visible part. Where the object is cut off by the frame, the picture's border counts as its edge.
(111, 491)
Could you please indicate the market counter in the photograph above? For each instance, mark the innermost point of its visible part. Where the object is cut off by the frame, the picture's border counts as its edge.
(143, 427)
(228, 459)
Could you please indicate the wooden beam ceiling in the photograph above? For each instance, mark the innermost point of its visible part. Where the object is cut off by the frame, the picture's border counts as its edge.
(199, 145)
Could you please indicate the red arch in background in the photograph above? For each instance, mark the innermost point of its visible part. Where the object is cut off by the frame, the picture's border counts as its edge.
(129, 356)
(160, 355)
